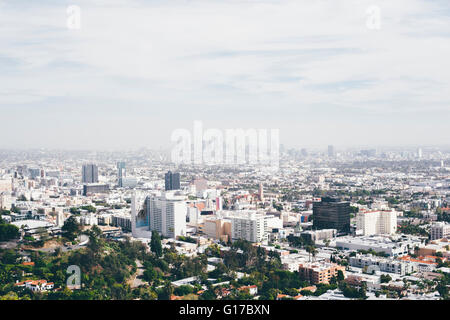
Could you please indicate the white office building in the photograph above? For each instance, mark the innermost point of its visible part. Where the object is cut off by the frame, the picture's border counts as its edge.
(380, 244)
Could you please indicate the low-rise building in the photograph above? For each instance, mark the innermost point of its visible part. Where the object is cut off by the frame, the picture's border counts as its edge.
(253, 290)
(423, 263)
(380, 244)
(319, 272)
(317, 235)
(36, 285)
(373, 263)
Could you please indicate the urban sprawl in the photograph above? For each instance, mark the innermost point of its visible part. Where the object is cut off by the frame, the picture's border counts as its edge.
(329, 224)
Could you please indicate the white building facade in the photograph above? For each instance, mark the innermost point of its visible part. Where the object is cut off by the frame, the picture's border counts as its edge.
(440, 230)
(168, 215)
(249, 225)
(377, 222)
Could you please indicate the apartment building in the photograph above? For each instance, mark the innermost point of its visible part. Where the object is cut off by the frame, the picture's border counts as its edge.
(377, 222)
(167, 215)
(422, 263)
(381, 264)
(319, 272)
(216, 228)
(121, 220)
(440, 230)
(249, 225)
(5, 185)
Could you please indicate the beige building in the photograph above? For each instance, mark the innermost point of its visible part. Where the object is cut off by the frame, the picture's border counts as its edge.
(5, 202)
(217, 228)
(5, 185)
(319, 272)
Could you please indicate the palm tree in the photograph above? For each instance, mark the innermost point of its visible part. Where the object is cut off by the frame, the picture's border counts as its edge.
(314, 252)
(311, 251)
(308, 249)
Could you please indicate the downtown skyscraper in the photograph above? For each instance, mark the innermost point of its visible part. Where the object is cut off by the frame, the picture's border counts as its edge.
(172, 181)
(331, 213)
(121, 173)
(89, 173)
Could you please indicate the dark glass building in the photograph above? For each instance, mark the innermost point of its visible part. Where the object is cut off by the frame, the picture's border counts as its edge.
(89, 173)
(331, 213)
(121, 173)
(172, 181)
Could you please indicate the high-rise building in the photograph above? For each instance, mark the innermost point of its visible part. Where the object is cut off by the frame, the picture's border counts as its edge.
(164, 213)
(331, 152)
(331, 213)
(90, 173)
(172, 181)
(167, 214)
(60, 218)
(217, 228)
(249, 225)
(377, 222)
(261, 192)
(121, 172)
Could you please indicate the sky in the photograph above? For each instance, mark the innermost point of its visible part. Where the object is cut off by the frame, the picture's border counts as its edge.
(322, 72)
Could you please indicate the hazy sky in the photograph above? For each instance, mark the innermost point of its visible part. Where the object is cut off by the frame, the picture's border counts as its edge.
(138, 69)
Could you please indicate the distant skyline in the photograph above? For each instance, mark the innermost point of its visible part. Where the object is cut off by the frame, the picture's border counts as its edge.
(139, 69)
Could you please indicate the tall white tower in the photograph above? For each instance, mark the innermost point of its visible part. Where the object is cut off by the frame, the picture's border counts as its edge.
(60, 219)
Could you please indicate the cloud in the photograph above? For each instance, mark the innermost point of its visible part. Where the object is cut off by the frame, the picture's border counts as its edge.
(182, 60)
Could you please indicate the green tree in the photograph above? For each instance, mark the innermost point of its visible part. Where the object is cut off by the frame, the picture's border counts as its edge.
(71, 228)
(155, 244)
(166, 292)
(8, 232)
(385, 278)
(208, 295)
